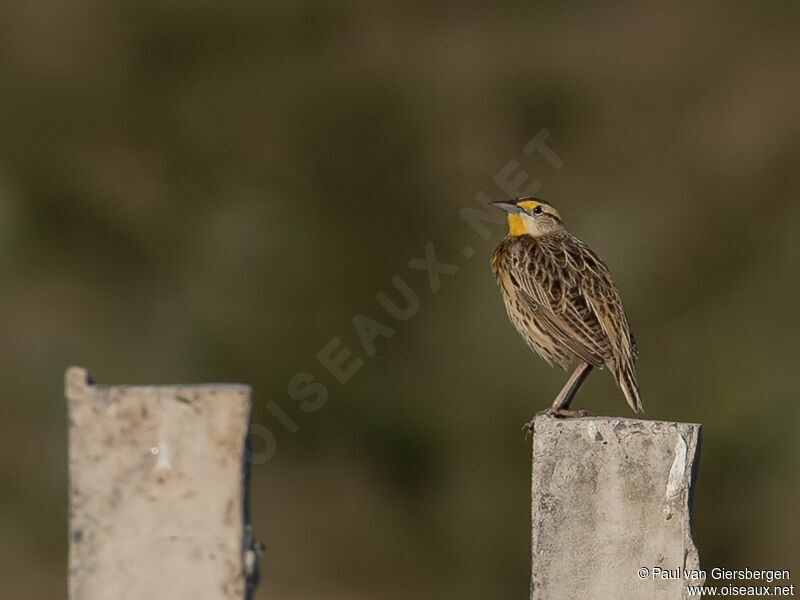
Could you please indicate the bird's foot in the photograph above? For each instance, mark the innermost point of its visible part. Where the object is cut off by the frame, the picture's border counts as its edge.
(567, 413)
(556, 413)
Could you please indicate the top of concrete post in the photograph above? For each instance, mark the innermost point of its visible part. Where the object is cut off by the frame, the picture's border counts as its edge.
(611, 497)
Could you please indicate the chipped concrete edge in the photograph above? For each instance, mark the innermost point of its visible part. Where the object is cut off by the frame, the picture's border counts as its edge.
(692, 559)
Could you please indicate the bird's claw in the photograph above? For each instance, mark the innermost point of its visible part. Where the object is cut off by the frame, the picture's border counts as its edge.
(556, 413)
(566, 413)
(527, 429)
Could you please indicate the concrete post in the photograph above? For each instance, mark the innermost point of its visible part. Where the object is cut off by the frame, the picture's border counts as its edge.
(157, 491)
(610, 498)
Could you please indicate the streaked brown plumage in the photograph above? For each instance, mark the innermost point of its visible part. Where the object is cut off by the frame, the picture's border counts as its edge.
(560, 297)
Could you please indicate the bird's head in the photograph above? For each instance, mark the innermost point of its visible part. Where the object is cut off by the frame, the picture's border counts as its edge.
(531, 216)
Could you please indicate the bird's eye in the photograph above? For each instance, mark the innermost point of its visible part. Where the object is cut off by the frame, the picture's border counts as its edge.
(537, 210)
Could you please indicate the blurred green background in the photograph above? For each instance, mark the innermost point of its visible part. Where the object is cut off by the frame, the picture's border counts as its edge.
(200, 191)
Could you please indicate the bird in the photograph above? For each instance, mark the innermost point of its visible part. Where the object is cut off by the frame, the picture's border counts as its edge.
(560, 297)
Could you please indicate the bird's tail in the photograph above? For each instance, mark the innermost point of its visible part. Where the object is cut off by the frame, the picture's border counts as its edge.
(626, 379)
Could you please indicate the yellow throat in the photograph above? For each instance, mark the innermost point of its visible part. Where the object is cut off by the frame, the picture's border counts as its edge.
(516, 226)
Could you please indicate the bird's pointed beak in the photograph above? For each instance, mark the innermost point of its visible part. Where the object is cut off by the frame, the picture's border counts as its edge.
(510, 206)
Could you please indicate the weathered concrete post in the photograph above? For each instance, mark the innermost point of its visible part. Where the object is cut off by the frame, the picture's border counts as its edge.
(611, 509)
(157, 491)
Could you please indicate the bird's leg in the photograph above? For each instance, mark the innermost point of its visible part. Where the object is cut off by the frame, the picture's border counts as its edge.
(560, 406)
(567, 393)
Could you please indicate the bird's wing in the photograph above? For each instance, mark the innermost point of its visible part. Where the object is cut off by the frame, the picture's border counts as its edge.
(585, 308)
(603, 299)
(565, 332)
(566, 287)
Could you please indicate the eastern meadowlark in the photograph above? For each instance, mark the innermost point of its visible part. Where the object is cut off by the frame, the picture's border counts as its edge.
(560, 296)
